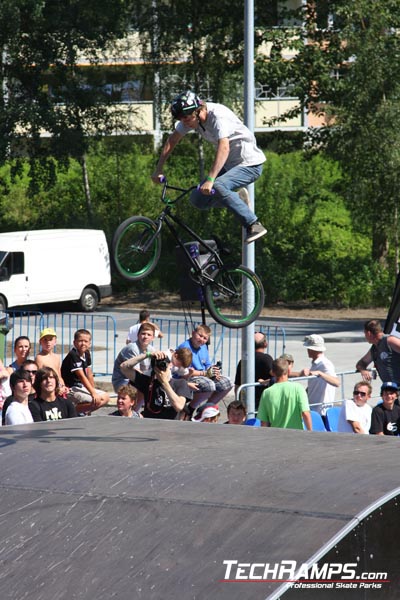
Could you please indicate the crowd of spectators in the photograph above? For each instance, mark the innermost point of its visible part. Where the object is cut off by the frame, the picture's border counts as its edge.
(182, 383)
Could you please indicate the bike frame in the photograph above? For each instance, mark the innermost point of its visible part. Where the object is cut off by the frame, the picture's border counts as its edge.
(169, 219)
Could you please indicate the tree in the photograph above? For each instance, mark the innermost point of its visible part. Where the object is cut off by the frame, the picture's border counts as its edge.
(347, 71)
(44, 90)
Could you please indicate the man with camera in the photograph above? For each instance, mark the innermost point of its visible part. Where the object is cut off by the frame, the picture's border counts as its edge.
(162, 395)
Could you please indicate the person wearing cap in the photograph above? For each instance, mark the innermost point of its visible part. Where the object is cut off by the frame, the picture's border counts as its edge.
(384, 353)
(355, 414)
(47, 357)
(262, 366)
(290, 360)
(385, 418)
(18, 412)
(321, 389)
(209, 414)
(285, 404)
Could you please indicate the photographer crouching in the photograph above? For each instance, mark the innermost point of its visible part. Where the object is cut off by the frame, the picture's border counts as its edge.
(163, 396)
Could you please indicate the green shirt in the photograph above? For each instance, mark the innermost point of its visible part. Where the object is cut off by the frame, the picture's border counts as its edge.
(282, 405)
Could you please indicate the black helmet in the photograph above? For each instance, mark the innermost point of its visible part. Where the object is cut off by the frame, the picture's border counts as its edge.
(185, 104)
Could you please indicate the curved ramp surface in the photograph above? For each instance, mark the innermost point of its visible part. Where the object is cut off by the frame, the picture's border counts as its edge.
(103, 507)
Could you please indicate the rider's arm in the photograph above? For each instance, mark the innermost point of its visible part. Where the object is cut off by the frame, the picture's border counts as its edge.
(220, 158)
(168, 147)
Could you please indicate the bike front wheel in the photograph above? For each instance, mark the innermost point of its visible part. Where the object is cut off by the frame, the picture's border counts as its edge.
(133, 257)
(224, 297)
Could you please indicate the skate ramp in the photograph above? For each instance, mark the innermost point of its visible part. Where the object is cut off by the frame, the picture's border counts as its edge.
(104, 507)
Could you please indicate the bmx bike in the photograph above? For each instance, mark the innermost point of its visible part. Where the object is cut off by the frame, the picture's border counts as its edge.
(136, 250)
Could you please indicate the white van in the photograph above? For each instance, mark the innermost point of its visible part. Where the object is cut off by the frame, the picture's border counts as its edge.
(54, 265)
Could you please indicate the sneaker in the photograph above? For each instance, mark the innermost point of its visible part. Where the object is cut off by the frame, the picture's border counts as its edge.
(254, 231)
(244, 195)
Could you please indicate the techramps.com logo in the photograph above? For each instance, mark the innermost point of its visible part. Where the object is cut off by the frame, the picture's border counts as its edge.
(318, 576)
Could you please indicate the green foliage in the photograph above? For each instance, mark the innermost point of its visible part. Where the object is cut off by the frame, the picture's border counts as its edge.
(348, 70)
(313, 251)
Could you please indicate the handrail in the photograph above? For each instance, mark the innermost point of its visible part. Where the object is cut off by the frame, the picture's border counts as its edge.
(342, 375)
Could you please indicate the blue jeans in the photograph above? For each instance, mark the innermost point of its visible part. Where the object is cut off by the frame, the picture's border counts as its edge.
(226, 197)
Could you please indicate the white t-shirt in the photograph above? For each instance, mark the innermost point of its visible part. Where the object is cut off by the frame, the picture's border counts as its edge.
(351, 412)
(134, 330)
(318, 390)
(223, 123)
(18, 414)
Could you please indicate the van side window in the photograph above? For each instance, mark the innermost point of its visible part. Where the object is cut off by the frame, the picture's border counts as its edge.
(13, 264)
(18, 265)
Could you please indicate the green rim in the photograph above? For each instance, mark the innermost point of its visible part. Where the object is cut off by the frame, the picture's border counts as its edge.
(151, 255)
(257, 305)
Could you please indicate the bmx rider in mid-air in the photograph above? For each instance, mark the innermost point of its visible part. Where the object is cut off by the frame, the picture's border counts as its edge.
(237, 162)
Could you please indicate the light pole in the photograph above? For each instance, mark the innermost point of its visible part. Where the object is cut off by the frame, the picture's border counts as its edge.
(248, 358)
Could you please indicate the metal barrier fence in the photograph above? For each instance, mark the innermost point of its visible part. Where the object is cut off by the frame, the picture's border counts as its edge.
(225, 344)
(342, 376)
(29, 323)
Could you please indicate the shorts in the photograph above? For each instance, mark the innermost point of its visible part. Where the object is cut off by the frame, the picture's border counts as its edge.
(80, 395)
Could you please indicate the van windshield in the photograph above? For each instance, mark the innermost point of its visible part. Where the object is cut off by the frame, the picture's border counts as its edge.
(3, 254)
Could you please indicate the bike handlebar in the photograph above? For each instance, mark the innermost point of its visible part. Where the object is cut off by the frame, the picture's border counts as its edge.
(163, 180)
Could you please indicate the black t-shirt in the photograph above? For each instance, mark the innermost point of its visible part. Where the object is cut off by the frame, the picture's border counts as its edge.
(60, 408)
(262, 370)
(156, 402)
(385, 420)
(72, 363)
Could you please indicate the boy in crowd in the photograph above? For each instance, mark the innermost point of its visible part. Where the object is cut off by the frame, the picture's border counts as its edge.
(18, 413)
(355, 414)
(76, 370)
(48, 404)
(143, 344)
(211, 385)
(385, 418)
(144, 317)
(285, 404)
(126, 403)
(47, 357)
(237, 413)
(30, 368)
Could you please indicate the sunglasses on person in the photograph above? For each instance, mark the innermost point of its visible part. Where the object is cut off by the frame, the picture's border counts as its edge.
(358, 393)
(30, 372)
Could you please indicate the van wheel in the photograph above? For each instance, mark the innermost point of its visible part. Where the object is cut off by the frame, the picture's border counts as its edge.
(89, 300)
(3, 304)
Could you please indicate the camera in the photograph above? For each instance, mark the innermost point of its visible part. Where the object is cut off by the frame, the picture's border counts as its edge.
(160, 363)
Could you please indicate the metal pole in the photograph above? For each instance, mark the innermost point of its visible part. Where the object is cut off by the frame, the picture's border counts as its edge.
(248, 352)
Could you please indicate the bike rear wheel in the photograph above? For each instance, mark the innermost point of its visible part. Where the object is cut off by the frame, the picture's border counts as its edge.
(130, 239)
(224, 296)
